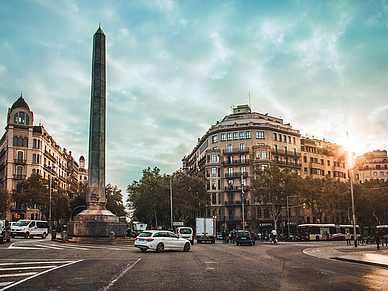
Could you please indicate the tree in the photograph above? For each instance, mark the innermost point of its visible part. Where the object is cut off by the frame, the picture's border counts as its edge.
(31, 192)
(4, 202)
(114, 202)
(271, 187)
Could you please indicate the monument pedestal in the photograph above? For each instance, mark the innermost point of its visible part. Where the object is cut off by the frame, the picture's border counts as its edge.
(96, 223)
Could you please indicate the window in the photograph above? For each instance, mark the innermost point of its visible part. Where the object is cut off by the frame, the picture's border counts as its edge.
(289, 139)
(223, 137)
(260, 134)
(230, 172)
(235, 135)
(21, 117)
(33, 171)
(248, 134)
(15, 118)
(285, 150)
(242, 158)
(274, 136)
(214, 139)
(27, 120)
(19, 172)
(15, 140)
(242, 147)
(34, 143)
(275, 147)
(214, 172)
(322, 162)
(34, 158)
(214, 198)
(284, 138)
(264, 155)
(257, 154)
(230, 148)
(229, 136)
(305, 170)
(374, 173)
(20, 141)
(293, 140)
(214, 159)
(20, 156)
(294, 151)
(242, 135)
(242, 170)
(25, 142)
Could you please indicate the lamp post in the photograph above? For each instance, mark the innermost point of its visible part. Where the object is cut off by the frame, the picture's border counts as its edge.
(288, 215)
(351, 189)
(52, 167)
(172, 223)
(242, 201)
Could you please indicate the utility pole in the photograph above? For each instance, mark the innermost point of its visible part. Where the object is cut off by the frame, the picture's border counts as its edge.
(242, 201)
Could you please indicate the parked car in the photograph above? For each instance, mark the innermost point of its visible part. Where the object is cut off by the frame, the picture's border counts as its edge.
(30, 228)
(245, 237)
(186, 232)
(5, 231)
(161, 240)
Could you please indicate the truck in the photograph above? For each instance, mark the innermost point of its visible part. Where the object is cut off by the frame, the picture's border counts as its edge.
(138, 227)
(205, 230)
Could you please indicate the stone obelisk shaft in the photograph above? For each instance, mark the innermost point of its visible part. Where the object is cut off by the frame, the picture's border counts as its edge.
(95, 197)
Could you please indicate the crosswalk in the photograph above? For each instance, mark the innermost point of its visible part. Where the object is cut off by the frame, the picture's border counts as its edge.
(16, 271)
(39, 245)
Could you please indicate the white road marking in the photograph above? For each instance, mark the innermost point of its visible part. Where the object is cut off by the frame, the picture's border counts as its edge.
(5, 283)
(18, 275)
(120, 275)
(26, 268)
(41, 273)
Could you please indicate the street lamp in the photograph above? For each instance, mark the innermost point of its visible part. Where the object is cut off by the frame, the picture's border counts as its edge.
(351, 189)
(242, 200)
(288, 215)
(172, 223)
(52, 167)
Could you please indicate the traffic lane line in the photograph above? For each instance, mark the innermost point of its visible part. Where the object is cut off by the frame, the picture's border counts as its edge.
(129, 266)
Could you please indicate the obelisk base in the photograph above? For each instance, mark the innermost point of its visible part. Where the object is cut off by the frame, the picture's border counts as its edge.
(96, 223)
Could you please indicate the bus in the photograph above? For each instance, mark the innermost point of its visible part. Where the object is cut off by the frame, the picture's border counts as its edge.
(328, 231)
(383, 230)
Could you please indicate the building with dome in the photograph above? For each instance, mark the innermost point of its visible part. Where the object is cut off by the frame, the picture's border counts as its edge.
(25, 149)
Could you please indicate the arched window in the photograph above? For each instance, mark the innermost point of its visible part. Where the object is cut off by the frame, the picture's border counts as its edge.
(25, 142)
(33, 160)
(20, 156)
(33, 171)
(34, 143)
(15, 140)
(15, 118)
(19, 172)
(20, 141)
(21, 117)
(27, 119)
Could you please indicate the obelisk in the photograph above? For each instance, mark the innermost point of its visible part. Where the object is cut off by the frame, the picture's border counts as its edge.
(96, 220)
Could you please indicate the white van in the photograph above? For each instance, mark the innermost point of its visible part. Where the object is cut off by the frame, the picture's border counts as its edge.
(186, 232)
(30, 228)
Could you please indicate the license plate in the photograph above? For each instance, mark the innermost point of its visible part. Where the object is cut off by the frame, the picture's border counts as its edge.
(141, 239)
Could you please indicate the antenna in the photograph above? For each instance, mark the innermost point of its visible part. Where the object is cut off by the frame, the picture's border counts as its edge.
(99, 24)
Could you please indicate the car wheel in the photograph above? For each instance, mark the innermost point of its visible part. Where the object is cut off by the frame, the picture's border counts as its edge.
(143, 250)
(187, 247)
(160, 248)
(44, 235)
(27, 235)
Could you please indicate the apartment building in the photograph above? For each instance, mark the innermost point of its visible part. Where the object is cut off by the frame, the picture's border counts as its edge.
(25, 149)
(230, 151)
(371, 165)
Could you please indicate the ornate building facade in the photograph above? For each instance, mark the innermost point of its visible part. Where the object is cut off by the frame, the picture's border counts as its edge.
(25, 149)
(230, 151)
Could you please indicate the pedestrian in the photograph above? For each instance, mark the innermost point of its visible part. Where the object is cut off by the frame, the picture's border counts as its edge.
(348, 237)
(377, 238)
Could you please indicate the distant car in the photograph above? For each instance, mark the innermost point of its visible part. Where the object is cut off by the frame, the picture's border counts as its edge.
(186, 232)
(5, 231)
(245, 237)
(161, 240)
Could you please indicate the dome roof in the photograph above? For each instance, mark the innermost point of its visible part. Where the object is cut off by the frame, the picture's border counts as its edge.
(20, 103)
(82, 158)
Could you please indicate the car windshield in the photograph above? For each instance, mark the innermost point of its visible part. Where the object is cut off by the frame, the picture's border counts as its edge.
(185, 231)
(245, 234)
(22, 223)
(145, 234)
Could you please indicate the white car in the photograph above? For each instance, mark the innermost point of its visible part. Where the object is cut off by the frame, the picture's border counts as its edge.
(30, 228)
(161, 240)
(186, 232)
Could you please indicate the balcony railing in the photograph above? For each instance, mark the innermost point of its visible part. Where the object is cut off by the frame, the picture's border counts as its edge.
(235, 151)
(19, 177)
(236, 162)
(20, 161)
(236, 175)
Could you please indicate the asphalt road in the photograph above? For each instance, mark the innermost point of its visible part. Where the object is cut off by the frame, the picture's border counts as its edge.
(44, 265)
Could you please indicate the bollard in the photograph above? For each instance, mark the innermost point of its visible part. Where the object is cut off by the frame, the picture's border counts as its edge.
(53, 234)
(111, 236)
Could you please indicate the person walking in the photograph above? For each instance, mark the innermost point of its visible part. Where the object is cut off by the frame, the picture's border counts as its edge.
(377, 238)
(348, 238)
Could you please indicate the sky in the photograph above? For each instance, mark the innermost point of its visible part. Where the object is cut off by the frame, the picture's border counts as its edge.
(174, 68)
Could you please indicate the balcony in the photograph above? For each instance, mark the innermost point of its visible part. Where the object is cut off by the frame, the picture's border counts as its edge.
(50, 156)
(236, 175)
(232, 203)
(20, 161)
(19, 177)
(235, 151)
(236, 162)
(289, 163)
(285, 153)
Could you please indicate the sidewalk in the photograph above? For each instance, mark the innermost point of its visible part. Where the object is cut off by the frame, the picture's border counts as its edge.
(363, 254)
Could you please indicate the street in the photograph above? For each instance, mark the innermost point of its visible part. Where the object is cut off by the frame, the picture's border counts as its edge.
(37, 264)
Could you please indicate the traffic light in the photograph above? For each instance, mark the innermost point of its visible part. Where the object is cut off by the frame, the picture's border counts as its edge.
(304, 205)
